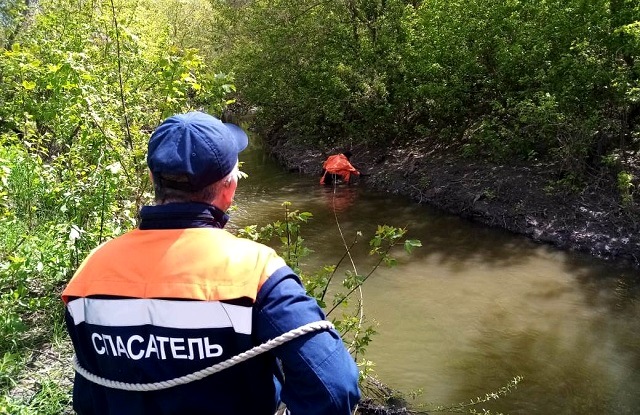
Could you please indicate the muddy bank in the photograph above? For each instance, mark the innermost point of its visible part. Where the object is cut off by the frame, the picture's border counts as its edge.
(524, 199)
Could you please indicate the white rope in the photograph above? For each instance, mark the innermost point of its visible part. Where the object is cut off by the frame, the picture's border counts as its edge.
(200, 374)
(351, 347)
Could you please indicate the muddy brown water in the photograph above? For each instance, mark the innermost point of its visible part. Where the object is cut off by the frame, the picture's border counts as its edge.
(475, 306)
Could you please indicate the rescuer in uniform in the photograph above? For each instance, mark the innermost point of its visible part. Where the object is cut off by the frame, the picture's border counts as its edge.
(180, 294)
(338, 166)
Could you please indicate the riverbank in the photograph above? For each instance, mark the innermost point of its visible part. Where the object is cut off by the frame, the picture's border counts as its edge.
(530, 199)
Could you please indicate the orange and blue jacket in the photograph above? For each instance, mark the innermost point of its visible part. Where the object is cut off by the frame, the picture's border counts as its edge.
(180, 294)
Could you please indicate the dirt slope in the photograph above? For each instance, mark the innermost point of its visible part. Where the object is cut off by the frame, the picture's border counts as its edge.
(525, 199)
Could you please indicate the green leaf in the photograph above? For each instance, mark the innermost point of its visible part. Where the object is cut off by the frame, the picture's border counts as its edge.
(28, 85)
(54, 68)
(409, 244)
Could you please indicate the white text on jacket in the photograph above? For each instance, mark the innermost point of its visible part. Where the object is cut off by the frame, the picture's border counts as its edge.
(137, 347)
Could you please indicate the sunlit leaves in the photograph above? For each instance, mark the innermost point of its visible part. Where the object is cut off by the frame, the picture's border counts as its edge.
(474, 74)
(28, 85)
(80, 97)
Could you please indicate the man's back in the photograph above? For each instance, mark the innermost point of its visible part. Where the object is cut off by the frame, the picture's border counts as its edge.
(148, 307)
(154, 305)
(180, 294)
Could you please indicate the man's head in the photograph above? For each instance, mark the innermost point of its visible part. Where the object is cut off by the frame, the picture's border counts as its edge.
(194, 156)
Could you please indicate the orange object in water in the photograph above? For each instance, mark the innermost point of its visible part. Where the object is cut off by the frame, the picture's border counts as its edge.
(338, 164)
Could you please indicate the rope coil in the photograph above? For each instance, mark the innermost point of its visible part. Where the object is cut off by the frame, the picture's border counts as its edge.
(200, 374)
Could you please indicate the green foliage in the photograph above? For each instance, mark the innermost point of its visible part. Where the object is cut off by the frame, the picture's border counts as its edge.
(82, 96)
(287, 233)
(320, 283)
(82, 85)
(12, 15)
(330, 66)
(555, 80)
(625, 187)
(51, 399)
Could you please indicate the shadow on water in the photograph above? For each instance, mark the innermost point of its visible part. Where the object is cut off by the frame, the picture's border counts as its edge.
(581, 363)
(473, 307)
(562, 374)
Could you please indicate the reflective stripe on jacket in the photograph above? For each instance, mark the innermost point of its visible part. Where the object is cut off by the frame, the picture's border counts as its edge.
(156, 304)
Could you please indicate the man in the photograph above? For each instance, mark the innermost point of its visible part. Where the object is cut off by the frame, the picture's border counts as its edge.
(180, 294)
(338, 165)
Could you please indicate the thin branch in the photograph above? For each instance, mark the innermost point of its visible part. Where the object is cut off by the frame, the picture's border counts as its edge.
(361, 282)
(119, 60)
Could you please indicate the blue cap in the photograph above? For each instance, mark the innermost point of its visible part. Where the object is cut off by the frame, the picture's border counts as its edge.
(193, 150)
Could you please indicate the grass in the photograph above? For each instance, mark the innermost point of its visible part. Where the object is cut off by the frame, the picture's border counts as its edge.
(35, 262)
(35, 352)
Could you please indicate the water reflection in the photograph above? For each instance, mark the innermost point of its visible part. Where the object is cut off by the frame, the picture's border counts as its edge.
(460, 336)
(340, 197)
(474, 306)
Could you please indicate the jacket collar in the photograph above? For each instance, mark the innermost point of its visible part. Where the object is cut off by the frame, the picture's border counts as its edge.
(182, 216)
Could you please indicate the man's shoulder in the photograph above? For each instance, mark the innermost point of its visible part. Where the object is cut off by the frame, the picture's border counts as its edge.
(226, 239)
(193, 239)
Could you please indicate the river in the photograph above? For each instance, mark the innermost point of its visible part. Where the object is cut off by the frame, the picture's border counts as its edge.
(473, 307)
